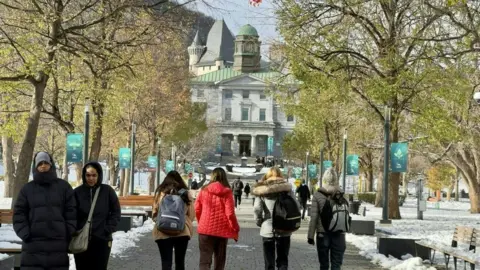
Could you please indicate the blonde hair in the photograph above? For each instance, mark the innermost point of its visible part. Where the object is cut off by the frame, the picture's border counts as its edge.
(273, 172)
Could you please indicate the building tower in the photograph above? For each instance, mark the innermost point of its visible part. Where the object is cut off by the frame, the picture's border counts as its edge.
(247, 50)
(195, 51)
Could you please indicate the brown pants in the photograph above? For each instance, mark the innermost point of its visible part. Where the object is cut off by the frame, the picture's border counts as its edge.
(212, 245)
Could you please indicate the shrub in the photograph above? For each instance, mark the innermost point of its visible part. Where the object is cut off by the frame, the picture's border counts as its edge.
(368, 197)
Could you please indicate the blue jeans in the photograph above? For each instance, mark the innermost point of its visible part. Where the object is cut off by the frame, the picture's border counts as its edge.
(330, 249)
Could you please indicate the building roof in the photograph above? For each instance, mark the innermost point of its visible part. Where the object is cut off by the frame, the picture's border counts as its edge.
(196, 40)
(265, 74)
(220, 44)
(247, 30)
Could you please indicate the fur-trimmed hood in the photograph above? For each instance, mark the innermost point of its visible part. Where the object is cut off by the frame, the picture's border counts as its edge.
(271, 186)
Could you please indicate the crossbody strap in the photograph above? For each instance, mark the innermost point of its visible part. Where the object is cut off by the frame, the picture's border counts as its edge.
(90, 214)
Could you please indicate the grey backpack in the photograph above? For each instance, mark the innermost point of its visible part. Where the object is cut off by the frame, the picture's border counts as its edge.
(171, 213)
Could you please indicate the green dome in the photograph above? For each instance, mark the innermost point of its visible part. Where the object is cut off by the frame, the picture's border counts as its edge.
(247, 30)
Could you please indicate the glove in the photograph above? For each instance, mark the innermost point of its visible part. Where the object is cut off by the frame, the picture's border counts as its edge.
(311, 241)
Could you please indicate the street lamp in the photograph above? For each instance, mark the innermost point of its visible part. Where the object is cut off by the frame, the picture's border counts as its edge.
(344, 169)
(132, 164)
(159, 162)
(322, 148)
(386, 170)
(86, 131)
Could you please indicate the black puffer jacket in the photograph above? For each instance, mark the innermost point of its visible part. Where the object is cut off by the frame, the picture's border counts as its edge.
(45, 219)
(106, 214)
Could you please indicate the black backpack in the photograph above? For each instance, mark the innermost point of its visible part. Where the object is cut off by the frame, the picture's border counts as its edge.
(286, 216)
(335, 215)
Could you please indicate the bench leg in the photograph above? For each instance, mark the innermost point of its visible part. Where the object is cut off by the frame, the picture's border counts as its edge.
(447, 260)
(472, 266)
(432, 257)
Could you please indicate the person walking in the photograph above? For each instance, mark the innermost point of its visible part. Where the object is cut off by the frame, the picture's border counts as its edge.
(105, 218)
(247, 190)
(166, 241)
(216, 220)
(237, 191)
(44, 217)
(266, 192)
(331, 246)
(303, 195)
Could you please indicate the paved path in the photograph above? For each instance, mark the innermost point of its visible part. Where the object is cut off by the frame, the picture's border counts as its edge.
(246, 254)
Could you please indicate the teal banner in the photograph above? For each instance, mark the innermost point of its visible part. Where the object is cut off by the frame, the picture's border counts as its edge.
(285, 172)
(352, 165)
(169, 166)
(124, 158)
(270, 146)
(152, 162)
(218, 149)
(312, 171)
(297, 173)
(327, 164)
(188, 168)
(398, 157)
(74, 147)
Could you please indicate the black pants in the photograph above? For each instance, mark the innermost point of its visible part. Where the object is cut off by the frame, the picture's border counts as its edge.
(303, 203)
(96, 257)
(166, 247)
(238, 198)
(282, 245)
(246, 195)
(330, 249)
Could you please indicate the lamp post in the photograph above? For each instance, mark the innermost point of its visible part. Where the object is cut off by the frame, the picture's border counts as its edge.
(386, 170)
(344, 169)
(159, 162)
(86, 131)
(306, 171)
(132, 164)
(321, 163)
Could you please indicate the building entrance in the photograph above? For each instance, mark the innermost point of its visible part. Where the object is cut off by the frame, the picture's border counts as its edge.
(244, 147)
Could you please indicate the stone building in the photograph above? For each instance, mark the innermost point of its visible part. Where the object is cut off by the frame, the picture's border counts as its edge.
(232, 80)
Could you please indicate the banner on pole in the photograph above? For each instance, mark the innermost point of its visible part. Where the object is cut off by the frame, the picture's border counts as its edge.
(297, 172)
(270, 146)
(352, 165)
(218, 149)
(152, 163)
(169, 166)
(312, 171)
(398, 157)
(327, 164)
(74, 147)
(124, 158)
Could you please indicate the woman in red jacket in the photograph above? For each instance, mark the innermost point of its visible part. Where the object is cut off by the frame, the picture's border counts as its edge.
(216, 220)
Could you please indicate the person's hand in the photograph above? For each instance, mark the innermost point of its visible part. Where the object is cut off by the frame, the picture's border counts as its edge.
(311, 241)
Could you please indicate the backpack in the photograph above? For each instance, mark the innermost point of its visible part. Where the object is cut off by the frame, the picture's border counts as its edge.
(171, 213)
(238, 185)
(286, 216)
(335, 215)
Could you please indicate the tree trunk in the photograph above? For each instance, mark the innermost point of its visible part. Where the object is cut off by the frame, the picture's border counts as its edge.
(151, 183)
(379, 195)
(113, 169)
(404, 185)
(65, 170)
(9, 166)
(126, 183)
(122, 182)
(78, 172)
(28, 145)
(474, 193)
(96, 147)
(369, 179)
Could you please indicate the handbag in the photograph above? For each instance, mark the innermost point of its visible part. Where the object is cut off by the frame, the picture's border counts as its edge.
(79, 242)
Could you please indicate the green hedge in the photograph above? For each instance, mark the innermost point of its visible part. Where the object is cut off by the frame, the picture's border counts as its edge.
(368, 197)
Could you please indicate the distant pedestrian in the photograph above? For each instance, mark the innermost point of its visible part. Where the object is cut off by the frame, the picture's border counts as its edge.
(237, 191)
(303, 196)
(216, 220)
(106, 216)
(247, 190)
(331, 245)
(44, 217)
(267, 191)
(170, 241)
(194, 185)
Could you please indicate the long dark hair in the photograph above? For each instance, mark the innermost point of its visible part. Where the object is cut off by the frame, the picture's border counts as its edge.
(219, 175)
(173, 181)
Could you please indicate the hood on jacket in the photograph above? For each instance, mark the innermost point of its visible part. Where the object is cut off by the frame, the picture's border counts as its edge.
(99, 169)
(44, 177)
(218, 189)
(270, 186)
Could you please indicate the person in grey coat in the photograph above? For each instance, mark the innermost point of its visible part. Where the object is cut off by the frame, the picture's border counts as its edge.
(266, 192)
(330, 245)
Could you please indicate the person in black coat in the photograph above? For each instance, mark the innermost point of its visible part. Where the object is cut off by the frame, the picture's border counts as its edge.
(44, 217)
(106, 216)
(303, 196)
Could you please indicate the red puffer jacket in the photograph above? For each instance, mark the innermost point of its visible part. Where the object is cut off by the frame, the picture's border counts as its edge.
(215, 212)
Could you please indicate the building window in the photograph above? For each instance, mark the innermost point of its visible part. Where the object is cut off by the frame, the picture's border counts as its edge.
(262, 96)
(228, 94)
(262, 114)
(290, 118)
(245, 94)
(200, 93)
(262, 145)
(228, 114)
(245, 112)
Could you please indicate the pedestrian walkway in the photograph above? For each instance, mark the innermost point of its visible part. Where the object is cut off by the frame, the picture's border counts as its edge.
(247, 253)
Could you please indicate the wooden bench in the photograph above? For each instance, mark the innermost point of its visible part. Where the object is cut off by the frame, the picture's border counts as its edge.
(471, 260)
(137, 201)
(461, 236)
(6, 217)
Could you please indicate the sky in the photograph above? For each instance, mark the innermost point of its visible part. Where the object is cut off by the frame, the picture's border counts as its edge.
(237, 13)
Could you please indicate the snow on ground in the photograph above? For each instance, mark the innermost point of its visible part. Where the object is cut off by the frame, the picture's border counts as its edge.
(438, 224)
